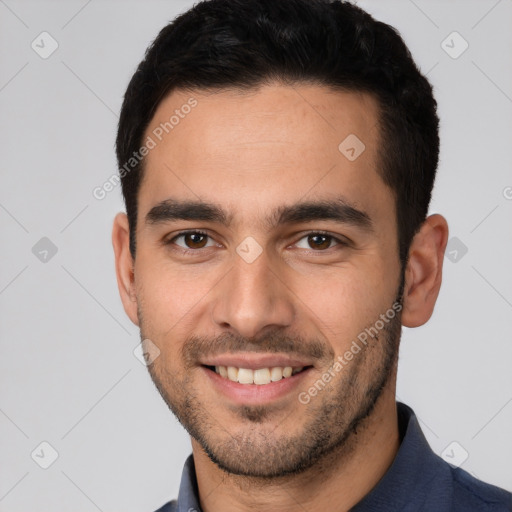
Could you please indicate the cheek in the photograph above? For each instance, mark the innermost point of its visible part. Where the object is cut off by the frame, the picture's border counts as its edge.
(170, 296)
(344, 301)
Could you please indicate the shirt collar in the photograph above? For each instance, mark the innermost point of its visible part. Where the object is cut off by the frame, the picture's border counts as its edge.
(414, 471)
(188, 495)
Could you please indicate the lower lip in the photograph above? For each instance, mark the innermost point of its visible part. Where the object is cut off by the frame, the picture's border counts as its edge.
(256, 394)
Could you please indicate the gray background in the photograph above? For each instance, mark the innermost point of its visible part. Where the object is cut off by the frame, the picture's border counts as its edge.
(67, 368)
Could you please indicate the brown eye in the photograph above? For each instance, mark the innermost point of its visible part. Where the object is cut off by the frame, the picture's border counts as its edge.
(318, 241)
(195, 240)
(191, 240)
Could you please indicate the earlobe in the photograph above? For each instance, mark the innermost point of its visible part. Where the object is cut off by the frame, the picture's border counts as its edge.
(423, 274)
(124, 266)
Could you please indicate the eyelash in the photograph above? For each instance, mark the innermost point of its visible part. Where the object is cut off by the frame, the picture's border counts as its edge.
(171, 241)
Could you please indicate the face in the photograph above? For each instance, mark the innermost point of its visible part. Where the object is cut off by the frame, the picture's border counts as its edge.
(265, 248)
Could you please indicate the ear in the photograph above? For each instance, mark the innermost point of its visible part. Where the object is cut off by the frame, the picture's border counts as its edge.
(124, 266)
(423, 274)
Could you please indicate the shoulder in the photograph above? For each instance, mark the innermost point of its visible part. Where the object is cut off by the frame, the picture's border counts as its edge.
(472, 494)
(168, 507)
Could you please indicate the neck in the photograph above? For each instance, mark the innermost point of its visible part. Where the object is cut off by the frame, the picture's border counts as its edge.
(344, 477)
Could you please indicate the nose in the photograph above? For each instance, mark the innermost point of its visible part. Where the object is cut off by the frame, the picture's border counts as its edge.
(253, 298)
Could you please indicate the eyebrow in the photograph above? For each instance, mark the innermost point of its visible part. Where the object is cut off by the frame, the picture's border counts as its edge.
(338, 210)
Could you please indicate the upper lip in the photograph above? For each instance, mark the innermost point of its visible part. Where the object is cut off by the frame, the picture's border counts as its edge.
(254, 361)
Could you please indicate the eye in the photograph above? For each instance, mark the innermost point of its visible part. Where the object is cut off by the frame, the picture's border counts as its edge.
(319, 241)
(191, 240)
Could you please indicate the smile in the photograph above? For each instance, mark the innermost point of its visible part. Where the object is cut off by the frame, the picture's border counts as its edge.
(259, 376)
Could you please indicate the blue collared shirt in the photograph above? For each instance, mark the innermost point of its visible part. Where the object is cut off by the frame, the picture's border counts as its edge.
(417, 481)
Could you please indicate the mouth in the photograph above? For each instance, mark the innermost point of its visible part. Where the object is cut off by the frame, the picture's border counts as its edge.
(263, 383)
(257, 376)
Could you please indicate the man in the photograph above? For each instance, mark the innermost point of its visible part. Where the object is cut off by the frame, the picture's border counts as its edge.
(277, 160)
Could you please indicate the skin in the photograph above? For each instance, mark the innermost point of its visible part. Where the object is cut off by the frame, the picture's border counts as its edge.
(251, 153)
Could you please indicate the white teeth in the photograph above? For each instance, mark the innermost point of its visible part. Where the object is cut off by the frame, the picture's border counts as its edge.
(245, 376)
(260, 376)
(233, 373)
(276, 374)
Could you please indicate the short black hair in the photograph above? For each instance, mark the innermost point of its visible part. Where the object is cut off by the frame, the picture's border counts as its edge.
(244, 44)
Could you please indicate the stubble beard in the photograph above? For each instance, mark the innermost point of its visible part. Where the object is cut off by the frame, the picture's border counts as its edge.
(331, 421)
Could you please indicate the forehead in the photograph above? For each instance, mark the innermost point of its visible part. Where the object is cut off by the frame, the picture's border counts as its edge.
(264, 147)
